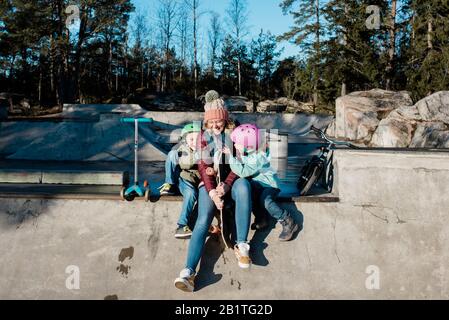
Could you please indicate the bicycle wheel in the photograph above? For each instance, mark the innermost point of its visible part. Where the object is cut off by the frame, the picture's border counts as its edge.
(310, 175)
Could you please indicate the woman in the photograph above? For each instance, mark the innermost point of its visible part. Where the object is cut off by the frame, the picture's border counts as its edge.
(213, 167)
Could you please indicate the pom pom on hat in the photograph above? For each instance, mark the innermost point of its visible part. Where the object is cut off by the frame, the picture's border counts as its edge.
(215, 107)
(212, 95)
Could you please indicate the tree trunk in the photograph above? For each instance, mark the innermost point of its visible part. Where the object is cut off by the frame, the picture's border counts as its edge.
(429, 34)
(40, 86)
(345, 40)
(142, 70)
(52, 67)
(79, 45)
(239, 75)
(392, 47)
(343, 89)
(318, 53)
(195, 62)
(110, 67)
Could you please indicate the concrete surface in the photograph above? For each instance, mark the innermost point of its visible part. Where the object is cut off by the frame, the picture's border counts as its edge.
(392, 221)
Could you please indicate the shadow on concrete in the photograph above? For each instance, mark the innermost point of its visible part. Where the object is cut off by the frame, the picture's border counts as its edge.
(206, 276)
(21, 210)
(258, 244)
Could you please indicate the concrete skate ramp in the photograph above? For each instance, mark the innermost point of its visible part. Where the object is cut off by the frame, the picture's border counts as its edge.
(392, 222)
(95, 133)
(105, 140)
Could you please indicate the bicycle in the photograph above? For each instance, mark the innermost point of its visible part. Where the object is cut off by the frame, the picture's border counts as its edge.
(319, 169)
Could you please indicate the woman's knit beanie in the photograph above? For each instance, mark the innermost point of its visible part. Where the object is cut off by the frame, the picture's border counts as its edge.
(215, 108)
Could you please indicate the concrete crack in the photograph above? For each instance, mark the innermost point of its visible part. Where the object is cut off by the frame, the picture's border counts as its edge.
(308, 255)
(335, 238)
(399, 220)
(383, 219)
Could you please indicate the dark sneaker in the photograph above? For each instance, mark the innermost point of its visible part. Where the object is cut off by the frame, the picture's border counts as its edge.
(259, 225)
(166, 189)
(289, 227)
(186, 280)
(183, 232)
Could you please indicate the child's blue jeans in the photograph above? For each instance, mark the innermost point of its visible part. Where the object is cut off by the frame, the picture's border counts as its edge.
(190, 196)
(172, 170)
(265, 200)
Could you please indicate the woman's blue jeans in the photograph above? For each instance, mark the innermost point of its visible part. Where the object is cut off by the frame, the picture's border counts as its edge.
(241, 195)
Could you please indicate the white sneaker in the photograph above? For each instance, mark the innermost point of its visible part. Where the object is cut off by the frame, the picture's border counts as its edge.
(242, 254)
(186, 279)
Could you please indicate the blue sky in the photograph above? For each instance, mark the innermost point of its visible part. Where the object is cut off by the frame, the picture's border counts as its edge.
(263, 14)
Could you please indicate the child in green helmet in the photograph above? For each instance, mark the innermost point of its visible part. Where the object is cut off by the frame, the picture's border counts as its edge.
(182, 170)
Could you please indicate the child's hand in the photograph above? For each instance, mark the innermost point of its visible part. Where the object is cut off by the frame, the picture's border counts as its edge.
(222, 189)
(226, 150)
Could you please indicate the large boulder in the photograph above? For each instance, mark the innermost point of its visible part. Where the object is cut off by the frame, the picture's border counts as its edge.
(330, 130)
(270, 106)
(431, 135)
(162, 101)
(435, 107)
(393, 132)
(424, 125)
(294, 106)
(358, 114)
(238, 103)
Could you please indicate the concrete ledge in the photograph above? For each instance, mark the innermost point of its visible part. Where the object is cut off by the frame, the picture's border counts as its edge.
(110, 192)
(83, 177)
(65, 177)
(23, 176)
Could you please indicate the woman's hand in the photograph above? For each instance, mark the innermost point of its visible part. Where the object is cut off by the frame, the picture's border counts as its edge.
(216, 198)
(218, 202)
(222, 189)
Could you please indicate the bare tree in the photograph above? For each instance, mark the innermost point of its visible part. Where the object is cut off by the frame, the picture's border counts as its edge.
(183, 38)
(168, 20)
(237, 17)
(193, 6)
(141, 32)
(214, 35)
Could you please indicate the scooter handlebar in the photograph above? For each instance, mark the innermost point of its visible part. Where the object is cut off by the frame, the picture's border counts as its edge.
(140, 120)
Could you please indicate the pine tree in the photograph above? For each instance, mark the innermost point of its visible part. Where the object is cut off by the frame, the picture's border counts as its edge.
(352, 51)
(428, 68)
(307, 34)
(264, 55)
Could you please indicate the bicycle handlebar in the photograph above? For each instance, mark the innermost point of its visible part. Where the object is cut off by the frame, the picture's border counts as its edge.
(320, 134)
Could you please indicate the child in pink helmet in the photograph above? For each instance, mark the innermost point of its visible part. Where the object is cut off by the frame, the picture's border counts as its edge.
(253, 162)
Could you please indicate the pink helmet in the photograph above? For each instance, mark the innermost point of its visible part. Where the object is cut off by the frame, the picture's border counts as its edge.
(247, 135)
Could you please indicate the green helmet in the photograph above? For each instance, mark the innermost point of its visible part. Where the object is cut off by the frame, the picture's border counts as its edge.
(191, 127)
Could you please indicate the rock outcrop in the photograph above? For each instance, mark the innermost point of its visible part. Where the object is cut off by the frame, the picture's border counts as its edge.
(381, 118)
(358, 114)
